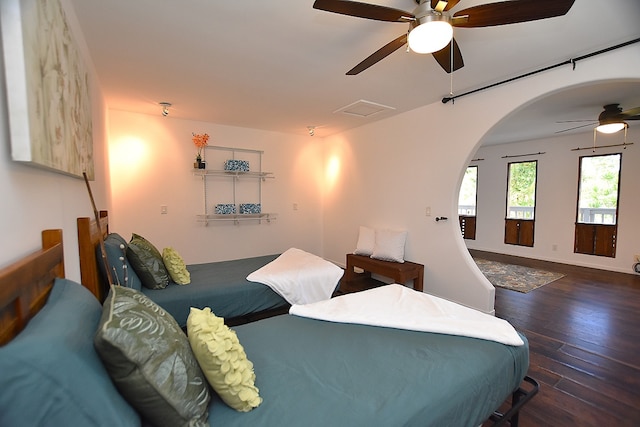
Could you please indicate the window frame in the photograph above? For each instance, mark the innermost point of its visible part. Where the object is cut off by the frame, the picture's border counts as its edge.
(535, 190)
(580, 159)
(520, 231)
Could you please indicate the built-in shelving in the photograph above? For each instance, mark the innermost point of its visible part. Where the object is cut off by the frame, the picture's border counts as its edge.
(236, 218)
(215, 179)
(234, 174)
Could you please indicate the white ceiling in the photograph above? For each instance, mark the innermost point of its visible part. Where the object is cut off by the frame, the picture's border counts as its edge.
(280, 65)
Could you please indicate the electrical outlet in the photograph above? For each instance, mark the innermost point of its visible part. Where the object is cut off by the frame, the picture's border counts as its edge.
(163, 210)
(295, 206)
(427, 211)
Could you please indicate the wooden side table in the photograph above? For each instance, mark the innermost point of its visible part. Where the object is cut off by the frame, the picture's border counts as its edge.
(399, 272)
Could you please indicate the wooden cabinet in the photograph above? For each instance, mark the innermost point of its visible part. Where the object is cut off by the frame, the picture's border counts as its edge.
(468, 226)
(596, 239)
(519, 232)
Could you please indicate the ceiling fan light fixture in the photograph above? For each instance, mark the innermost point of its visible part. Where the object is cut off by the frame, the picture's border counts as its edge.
(611, 127)
(430, 33)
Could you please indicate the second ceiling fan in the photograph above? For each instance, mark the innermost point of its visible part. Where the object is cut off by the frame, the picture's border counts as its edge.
(431, 14)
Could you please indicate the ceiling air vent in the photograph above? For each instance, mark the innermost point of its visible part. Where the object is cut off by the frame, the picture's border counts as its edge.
(363, 108)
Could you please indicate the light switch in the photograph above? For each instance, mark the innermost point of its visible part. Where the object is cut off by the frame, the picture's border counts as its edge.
(163, 209)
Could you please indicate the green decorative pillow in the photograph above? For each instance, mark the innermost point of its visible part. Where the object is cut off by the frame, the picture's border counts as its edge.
(176, 267)
(149, 359)
(147, 262)
(223, 360)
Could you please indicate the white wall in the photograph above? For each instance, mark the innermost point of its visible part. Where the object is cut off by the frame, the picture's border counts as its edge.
(556, 199)
(391, 170)
(383, 175)
(35, 199)
(152, 165)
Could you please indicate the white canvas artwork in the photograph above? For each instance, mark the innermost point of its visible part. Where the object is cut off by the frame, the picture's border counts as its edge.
(48, 88)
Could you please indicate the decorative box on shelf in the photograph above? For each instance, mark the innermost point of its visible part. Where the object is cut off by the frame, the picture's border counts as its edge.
(225, 209)
(250, 208)
(236, 165)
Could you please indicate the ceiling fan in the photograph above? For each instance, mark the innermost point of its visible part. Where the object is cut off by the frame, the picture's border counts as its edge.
(430, 24)
(611, 119)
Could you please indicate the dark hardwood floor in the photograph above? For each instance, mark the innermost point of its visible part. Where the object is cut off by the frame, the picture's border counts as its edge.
(584, 338)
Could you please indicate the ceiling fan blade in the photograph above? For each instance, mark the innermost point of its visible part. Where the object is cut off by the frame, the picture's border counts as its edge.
(632, 114)
(443, 5)
(364, 10)
(379, 54)
(577, 121)
(577, 127)
(511, 12)
(443, 56)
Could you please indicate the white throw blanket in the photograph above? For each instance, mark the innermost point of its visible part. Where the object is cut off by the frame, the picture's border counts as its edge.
(299, 277)
(396, 306)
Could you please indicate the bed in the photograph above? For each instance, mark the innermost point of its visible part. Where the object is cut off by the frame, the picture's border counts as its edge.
(309, 372)
(223, 286)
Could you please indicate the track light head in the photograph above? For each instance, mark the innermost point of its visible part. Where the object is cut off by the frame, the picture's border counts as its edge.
(165, 108)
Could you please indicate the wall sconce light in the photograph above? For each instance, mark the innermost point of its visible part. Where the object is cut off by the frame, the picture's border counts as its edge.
(165, 108)
(312, 130)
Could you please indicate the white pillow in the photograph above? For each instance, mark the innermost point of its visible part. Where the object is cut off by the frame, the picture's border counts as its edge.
(389, 245)
(366, 241)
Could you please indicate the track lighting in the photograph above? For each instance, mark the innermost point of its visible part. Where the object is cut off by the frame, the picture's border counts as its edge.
(165, 108)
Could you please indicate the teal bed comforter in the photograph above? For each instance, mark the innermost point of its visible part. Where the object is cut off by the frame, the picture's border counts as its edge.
(221, 286)
(317, 373)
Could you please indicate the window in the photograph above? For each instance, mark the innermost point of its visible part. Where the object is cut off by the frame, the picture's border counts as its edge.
(468, 192)
(467, 200)
(521, 190)
(597, 210)
(521, 203)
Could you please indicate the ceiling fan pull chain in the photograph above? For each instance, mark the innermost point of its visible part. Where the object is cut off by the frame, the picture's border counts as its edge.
(451, 75)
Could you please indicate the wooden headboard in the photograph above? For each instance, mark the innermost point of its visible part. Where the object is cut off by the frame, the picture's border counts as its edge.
(25, 285)
(89, 236)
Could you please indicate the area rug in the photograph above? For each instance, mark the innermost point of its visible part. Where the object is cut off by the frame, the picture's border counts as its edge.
(515, 277)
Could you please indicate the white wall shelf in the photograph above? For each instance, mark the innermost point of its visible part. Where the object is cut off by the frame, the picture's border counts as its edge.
(239, 186)
(234, 174)
(237, 218)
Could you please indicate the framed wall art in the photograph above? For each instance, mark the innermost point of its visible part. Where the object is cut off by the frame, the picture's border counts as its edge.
(48, 88)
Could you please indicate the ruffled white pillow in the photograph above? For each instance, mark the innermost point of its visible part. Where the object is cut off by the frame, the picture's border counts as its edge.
(366, 241)
(389, 245)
